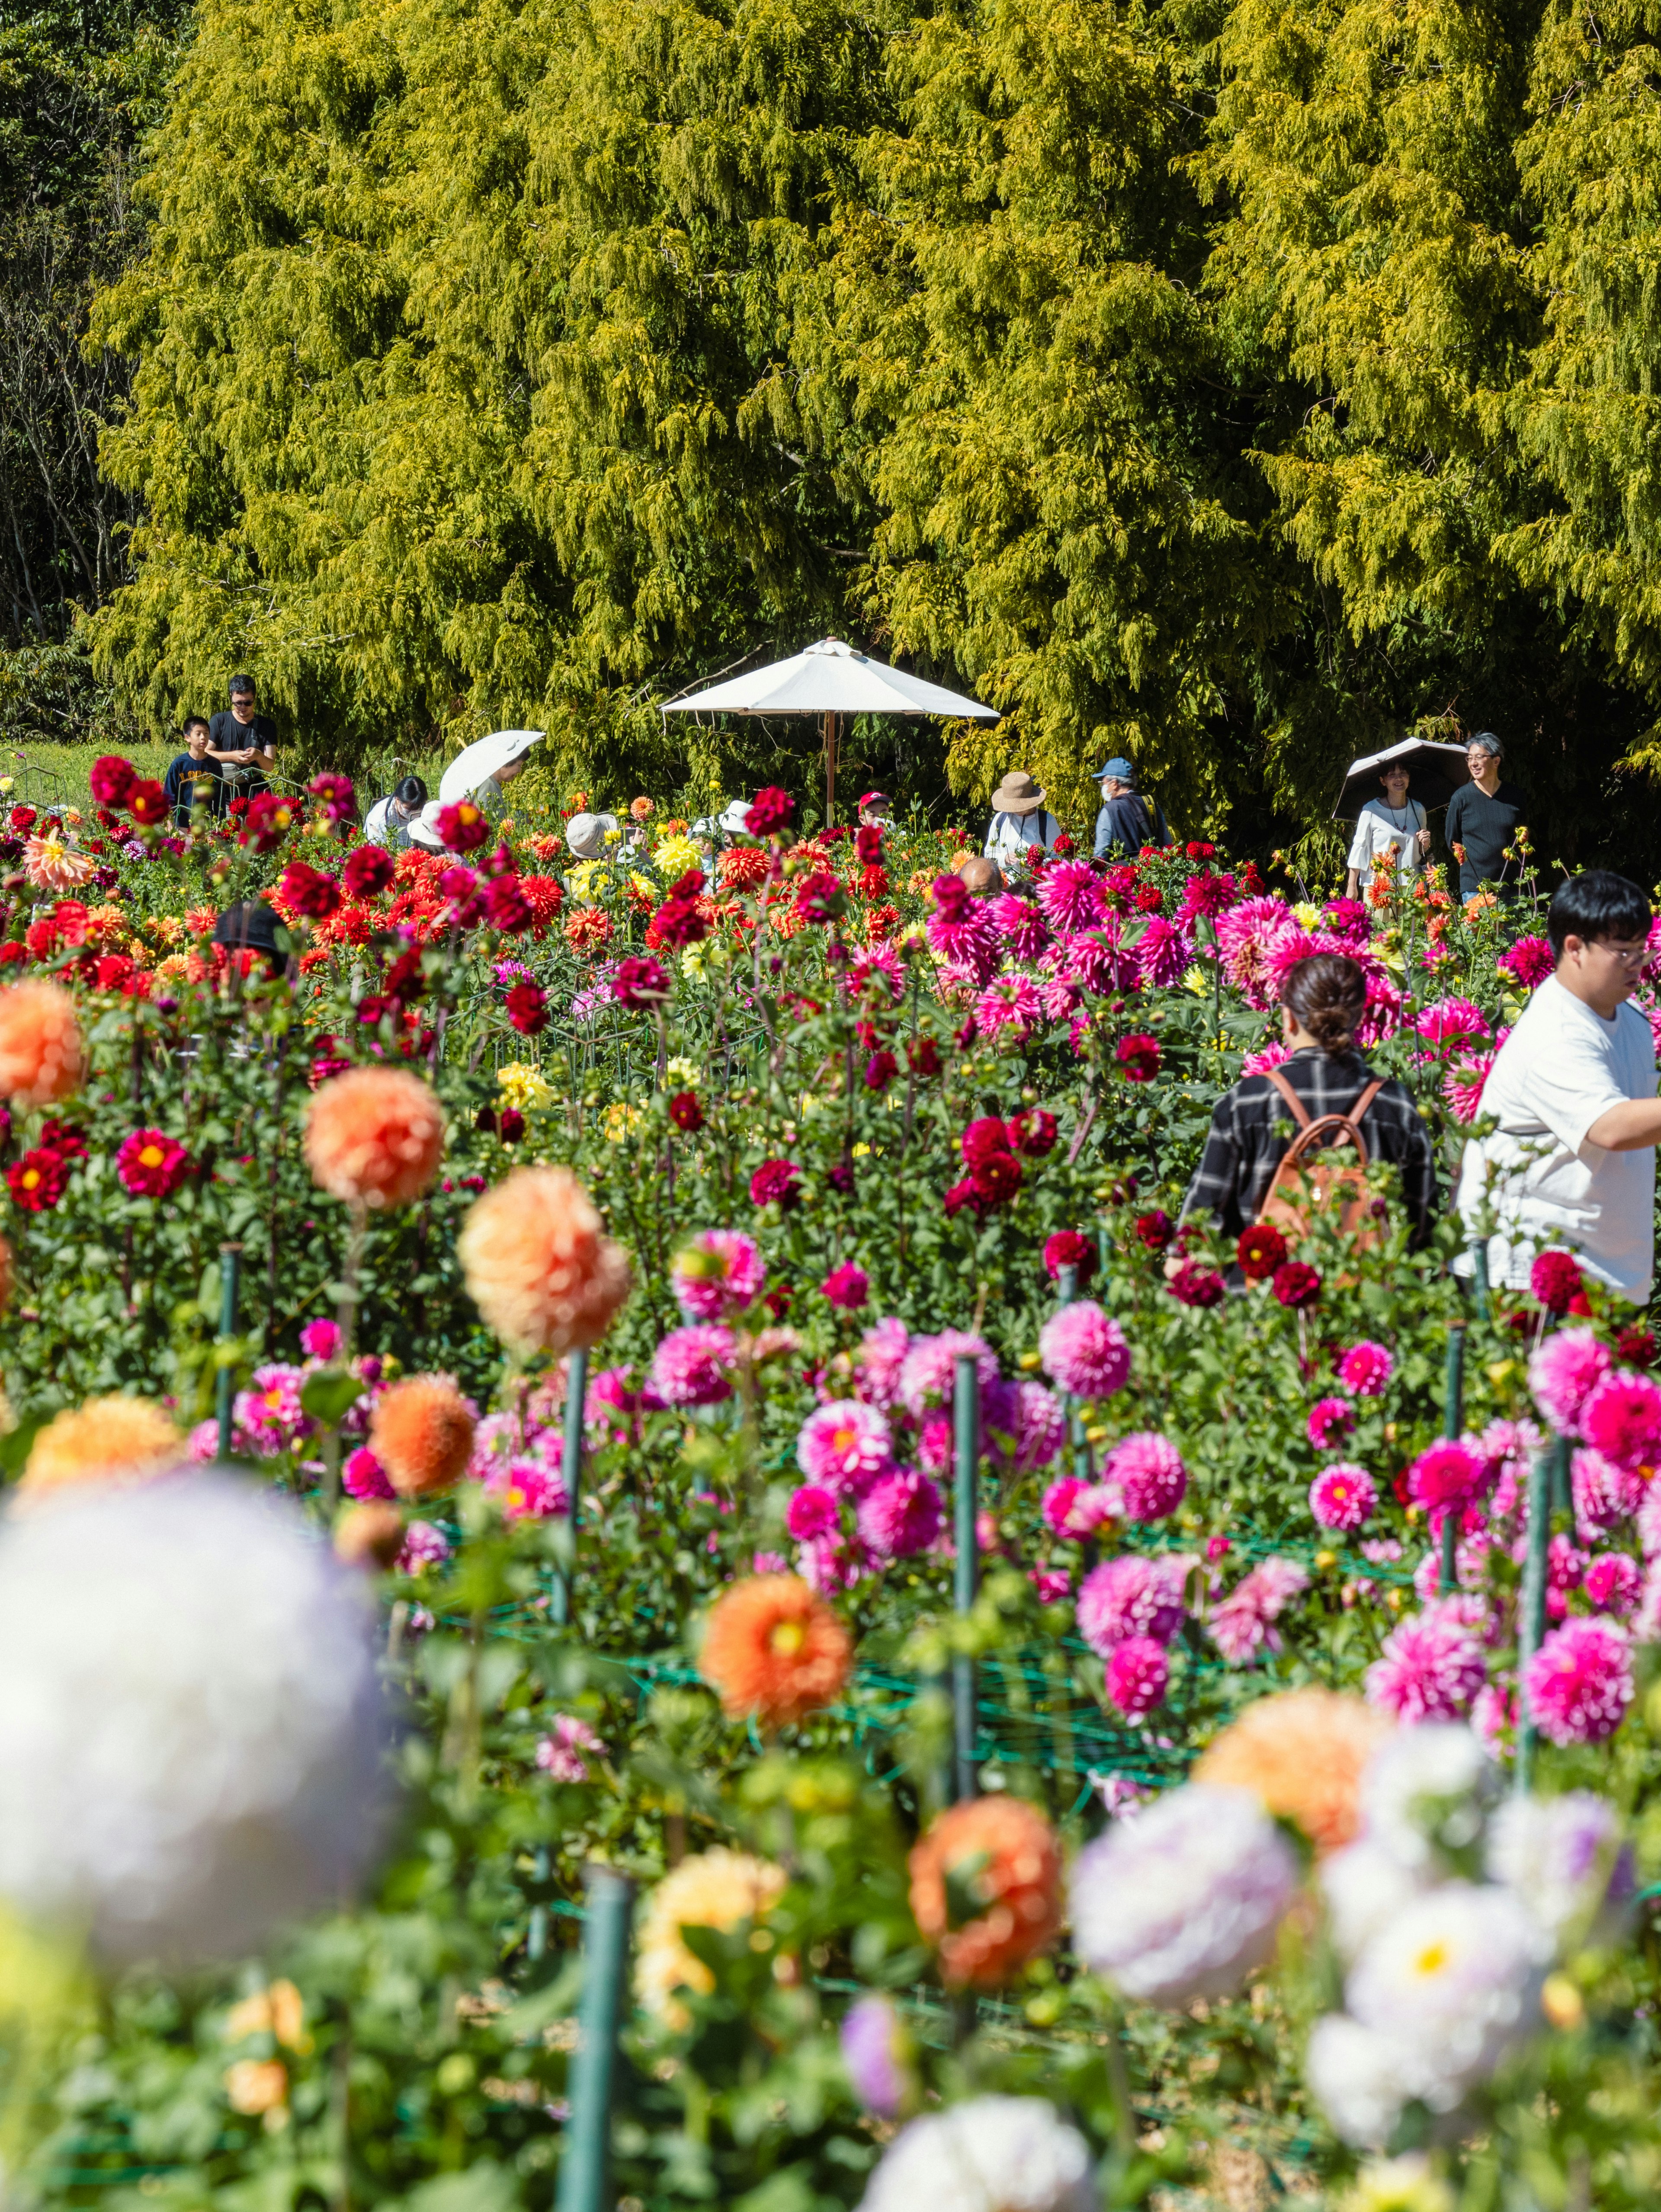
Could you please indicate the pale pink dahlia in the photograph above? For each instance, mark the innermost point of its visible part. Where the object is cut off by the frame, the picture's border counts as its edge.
(1243, 1624)
(844, 1446)
(1147, 1471)
(901, 1515)
(1132, 1596)
(1579, 1683)
(1138, 1674)
(691, 1366)
(1621, 1418)
(880, 1356)
(1071, 896)
(1431, 1668)
(1084, 1350)
(1613, 1583)
(1563, 1373)
(719, 1274)
(927, 1372)
(559, 1755)
(1366, 1368)
(1604, 1494)
(1342, 1496)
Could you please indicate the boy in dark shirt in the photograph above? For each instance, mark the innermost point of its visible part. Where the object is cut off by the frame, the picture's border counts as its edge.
(1483, 818)
(194, 774)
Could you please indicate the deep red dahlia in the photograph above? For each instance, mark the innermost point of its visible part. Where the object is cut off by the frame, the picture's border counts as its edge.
(867, 845)
(511, 1128)
(1297, 1283)
(1069, 1247)
(1556, 1280)
(776, 1182)
(506, 907)
(1195, 1284)
(983, 1141)
(997, 1178)
(1155, 1230)
(1139, 1056)
(309, 891)
(769, 810)
(922, 1056)
(685, 1112)
(266, 820)
(527, 1009)
(1034, 1132)
(1260, 1251)
(146, 800)
(334, 794)
(111, 781)
(152, 1164)
(880, 1070)
(37, 1181)
(462, 828)
(367, 871)
(640, 982)
(678, 922)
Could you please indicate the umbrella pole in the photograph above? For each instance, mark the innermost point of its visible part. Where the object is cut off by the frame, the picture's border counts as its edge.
(829, 769)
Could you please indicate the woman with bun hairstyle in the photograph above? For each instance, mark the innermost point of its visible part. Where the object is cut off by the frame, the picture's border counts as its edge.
(1251, 1126)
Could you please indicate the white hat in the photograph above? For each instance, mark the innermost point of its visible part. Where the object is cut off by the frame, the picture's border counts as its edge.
(423, 828)
(586, 834)
(731, 820)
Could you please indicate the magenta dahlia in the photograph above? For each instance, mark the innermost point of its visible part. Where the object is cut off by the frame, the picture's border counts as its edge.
(1069, 1247)
(1138, 1675)
(152, 1164)
(1613, 1583)
(720, 1273)
(845, 1446)
(1331, 1420)
(1563, 1373)
(692, 1366)
(1556, 1280)
(1448, 1477)
(901, 1515)
(1342, 1496)
(1132, 1596)
(1579, 1682)
(813, 1511)
(1149, 1473)
(1431, 1668)
(1366, 1368)
(1084, 1350)
(848, 1287)
(1621, 1418)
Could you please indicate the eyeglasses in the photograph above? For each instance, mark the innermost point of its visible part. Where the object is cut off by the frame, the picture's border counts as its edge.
(1630, 956)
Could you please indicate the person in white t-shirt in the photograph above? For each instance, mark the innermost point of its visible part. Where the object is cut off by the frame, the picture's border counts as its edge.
(1394, 823)
(1571, 1161)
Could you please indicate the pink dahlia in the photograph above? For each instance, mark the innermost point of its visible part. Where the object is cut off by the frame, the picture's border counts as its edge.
(1431, 1668)
(1166, 954)
(1331, 1420)
(1463, 1084)
(424, 1546)
(1242, 1623)
(1342, 1496)
(879, 1360)
(1366, 1368)
(720, 1273)
(1132, 1596)
(1531, 960)
(1138, 1674)
(1447, 1478)
(1613, 1583)
(848, 1287)
(966, 941)
(901, 1515)
(846, 1446)
(1621, 1418)
(1603, 1494)
(1451, 1019)
(1245, 935)
(1349, 918)
(1011, 1003)
(813, 1511)
(1147, 1471)
(1097, 960)
(1579, 1683)
(927, 1372)
(1259, 1063)
(1563, 1373)
(1071, 896)
(1020, 925)
(363, 1476)
(1039, 1427)
(529, 1489)
(560, 1755)
(1063, 1505)
(833, 1562)
(692, 1366)
(152, 1164)
(320, 1339)
(1084, 1350)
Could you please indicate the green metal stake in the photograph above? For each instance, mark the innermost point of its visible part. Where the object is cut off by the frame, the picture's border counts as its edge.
(230, 1279)
(1531, 1617)
(571, 1467)
(1453, 1420)
(966, 1443)
(1479, 1275)
(582, 2172)
(1067, 1285)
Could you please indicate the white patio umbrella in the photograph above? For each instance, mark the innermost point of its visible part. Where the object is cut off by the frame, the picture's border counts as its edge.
(831, 679)
(476, 762)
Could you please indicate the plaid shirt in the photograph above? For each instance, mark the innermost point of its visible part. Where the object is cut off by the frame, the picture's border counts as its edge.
(1252, 1130)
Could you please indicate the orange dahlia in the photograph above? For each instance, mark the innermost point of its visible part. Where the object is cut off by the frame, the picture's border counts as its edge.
(539, 1264)
(40, 1056)
(370, 1534)
(773, 1651)
(986, 1889)
(117, 1440)
(375, 1137)
(422, 1432)
(1303, 1752)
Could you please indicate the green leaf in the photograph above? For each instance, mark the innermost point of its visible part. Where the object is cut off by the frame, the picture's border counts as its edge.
(326, 1397)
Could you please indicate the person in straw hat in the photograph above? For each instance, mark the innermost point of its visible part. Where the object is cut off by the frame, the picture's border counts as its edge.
(590, 835)
(1019, 820)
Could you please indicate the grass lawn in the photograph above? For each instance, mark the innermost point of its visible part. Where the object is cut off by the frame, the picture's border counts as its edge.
(44, 774)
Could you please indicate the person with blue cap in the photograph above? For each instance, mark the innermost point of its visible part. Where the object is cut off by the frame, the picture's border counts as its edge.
(1126, 823)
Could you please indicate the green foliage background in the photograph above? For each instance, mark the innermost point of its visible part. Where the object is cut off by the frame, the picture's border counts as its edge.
(1234, 384)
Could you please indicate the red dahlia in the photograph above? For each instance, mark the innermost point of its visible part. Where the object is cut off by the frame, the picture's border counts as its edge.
(152, 1164)
(37, 1181)
(1261, 1250)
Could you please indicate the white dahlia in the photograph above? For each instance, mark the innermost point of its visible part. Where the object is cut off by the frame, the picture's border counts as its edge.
(991, 2155)
(1426, 1791)
(1356, 2077)
(1563, 1857)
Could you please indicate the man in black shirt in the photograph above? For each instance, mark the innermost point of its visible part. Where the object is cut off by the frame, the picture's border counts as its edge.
(244, 741)
(194, 777)
(1484, 817)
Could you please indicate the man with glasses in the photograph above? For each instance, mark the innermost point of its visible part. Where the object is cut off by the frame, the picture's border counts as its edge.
(1483, 818)
(1571, 1161)
(244, 741)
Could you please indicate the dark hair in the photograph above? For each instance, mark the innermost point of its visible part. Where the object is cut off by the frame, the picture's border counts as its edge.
(1598, 904)
(241, 683)
(192, 722)
(250, 926)
(412, 791)
(1329, 995)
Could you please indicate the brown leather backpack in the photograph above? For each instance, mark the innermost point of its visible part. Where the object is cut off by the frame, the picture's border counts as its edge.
(1304, 1185)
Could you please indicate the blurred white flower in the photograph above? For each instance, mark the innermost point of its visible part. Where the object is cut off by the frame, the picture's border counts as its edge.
(1355, 2077)
(1560, 1855)
(1364, 1887)
(1453, 1982)
(1426, 1791)
(991, 2155)
(192, 1729)
(1184, 1901)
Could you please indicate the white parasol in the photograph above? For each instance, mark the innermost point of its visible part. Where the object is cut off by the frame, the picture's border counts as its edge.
(1435, 772)
(832, 679)
(478, 762)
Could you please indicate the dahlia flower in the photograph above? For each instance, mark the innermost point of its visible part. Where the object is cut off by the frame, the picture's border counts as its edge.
(1426, 1788)
(1259, 1250)
(813, 1511)
(151, 1165)
(1342, 1496)
(1463, 1084)
(1531, 960)
(1071, 896)
(927, 1372)
(1613, 1583)
(1296, 1284)
(1603, 1494)
(847, 1287)
(1138, 1674)
(1366, 1368)
(1164, 952)
(320, 1339)
(1556, 1280)
(375, 1137)
(1084, 1350)
(560, 1755)
(1243, 1624)
(1621, 1418)
(1564, 1372)
(1038, 1427)
(1330, 1421)
(1069, 1247)
(1451, 1019)
(1010, 1003)
(692, 1366)
(1245, 936)
(363, 1476)
(268, 1414)
(989, 2155)
(1431, 1668)
(1579, 1682)
(539, 1265)
(879, 1360)
(986, 1889)
(422, 1432)
(719, 1274)
(1132, 1596)
(1147, 1472)
(877, 2054)
(773, 1652)
(1448, 1477)
(1561, 1855)
(900, 1515)
(1356, 2077)
(107, 1440)
(845, 1445)
(1184, 1901)
(41, 1056)
(530, 1488)
(424, 1545)
(1020, 924)
(718, 1889)
(1302, 1752)
(188, 1808)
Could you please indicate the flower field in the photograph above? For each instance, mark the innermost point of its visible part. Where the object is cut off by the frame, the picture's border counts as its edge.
(721, 1393)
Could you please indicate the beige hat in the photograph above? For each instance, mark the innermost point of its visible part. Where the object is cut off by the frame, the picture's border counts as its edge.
(1017, 794)
(586, 834)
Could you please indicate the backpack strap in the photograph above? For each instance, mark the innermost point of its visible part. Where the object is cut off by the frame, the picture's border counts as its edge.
(1299, 1111)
